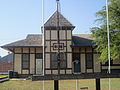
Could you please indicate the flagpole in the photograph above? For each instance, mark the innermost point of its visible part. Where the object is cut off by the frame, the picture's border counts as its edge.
(108, 35)
(77, 85)
(43, 39)
(43, 33)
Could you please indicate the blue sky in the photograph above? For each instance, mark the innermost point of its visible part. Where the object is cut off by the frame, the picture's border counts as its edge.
(21, 17)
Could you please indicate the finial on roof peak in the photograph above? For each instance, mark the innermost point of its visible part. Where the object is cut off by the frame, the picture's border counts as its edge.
(58, 20)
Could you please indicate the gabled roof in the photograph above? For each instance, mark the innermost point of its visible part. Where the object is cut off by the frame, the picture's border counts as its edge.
(31, 40)
(35, 40)
(52, 21)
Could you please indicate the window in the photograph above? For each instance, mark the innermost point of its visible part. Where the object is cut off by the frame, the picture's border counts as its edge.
(54, 63)
(39, 56)
(63, 60)
(54, 60)
(25, 61)
(89, 61)
(76, 56)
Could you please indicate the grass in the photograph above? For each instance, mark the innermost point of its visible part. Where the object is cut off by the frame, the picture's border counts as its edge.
(3, 75)
(64, 84)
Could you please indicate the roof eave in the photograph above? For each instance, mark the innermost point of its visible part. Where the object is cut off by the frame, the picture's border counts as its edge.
(82, 46)
(21, 46)
(61, 27)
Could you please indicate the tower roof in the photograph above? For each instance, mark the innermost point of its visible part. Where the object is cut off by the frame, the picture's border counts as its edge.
(52, 21)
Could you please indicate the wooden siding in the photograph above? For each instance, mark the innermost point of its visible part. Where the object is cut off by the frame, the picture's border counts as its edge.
(47, 58)
(32, 63)
(32, 60)
(66, 40)
(97, 68)
(83, 66)
(97, 64)
(18, 63)
(69, 60)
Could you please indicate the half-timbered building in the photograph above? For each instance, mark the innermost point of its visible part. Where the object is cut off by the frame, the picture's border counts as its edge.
(76, 52)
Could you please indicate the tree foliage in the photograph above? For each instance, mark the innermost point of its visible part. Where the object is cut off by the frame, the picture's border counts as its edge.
(100, 33)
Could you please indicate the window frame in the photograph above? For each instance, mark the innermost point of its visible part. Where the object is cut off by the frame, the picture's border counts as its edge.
(41, 57)
(53, 62)
(86, 59)
(28, 61)
(76, 58)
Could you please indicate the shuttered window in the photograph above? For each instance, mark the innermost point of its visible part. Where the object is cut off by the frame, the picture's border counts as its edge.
(25, 61)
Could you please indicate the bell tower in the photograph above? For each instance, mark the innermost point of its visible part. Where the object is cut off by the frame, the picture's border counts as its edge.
(58, 41)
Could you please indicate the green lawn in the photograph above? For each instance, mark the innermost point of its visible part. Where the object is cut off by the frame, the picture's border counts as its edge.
(64, 84)
(3, 75)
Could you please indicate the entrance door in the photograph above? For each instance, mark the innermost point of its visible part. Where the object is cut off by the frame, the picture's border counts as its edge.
(76, 66)
(39, 66)
(76, 63)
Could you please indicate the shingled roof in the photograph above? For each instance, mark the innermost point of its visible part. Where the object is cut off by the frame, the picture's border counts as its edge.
(82, 40)
(35, 40)
(52, 21)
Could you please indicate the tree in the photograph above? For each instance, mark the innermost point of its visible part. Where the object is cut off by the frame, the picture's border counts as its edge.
(100, 33)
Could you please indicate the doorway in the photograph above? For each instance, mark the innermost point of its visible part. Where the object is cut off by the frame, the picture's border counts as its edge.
(76, 63)
(39, 69)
